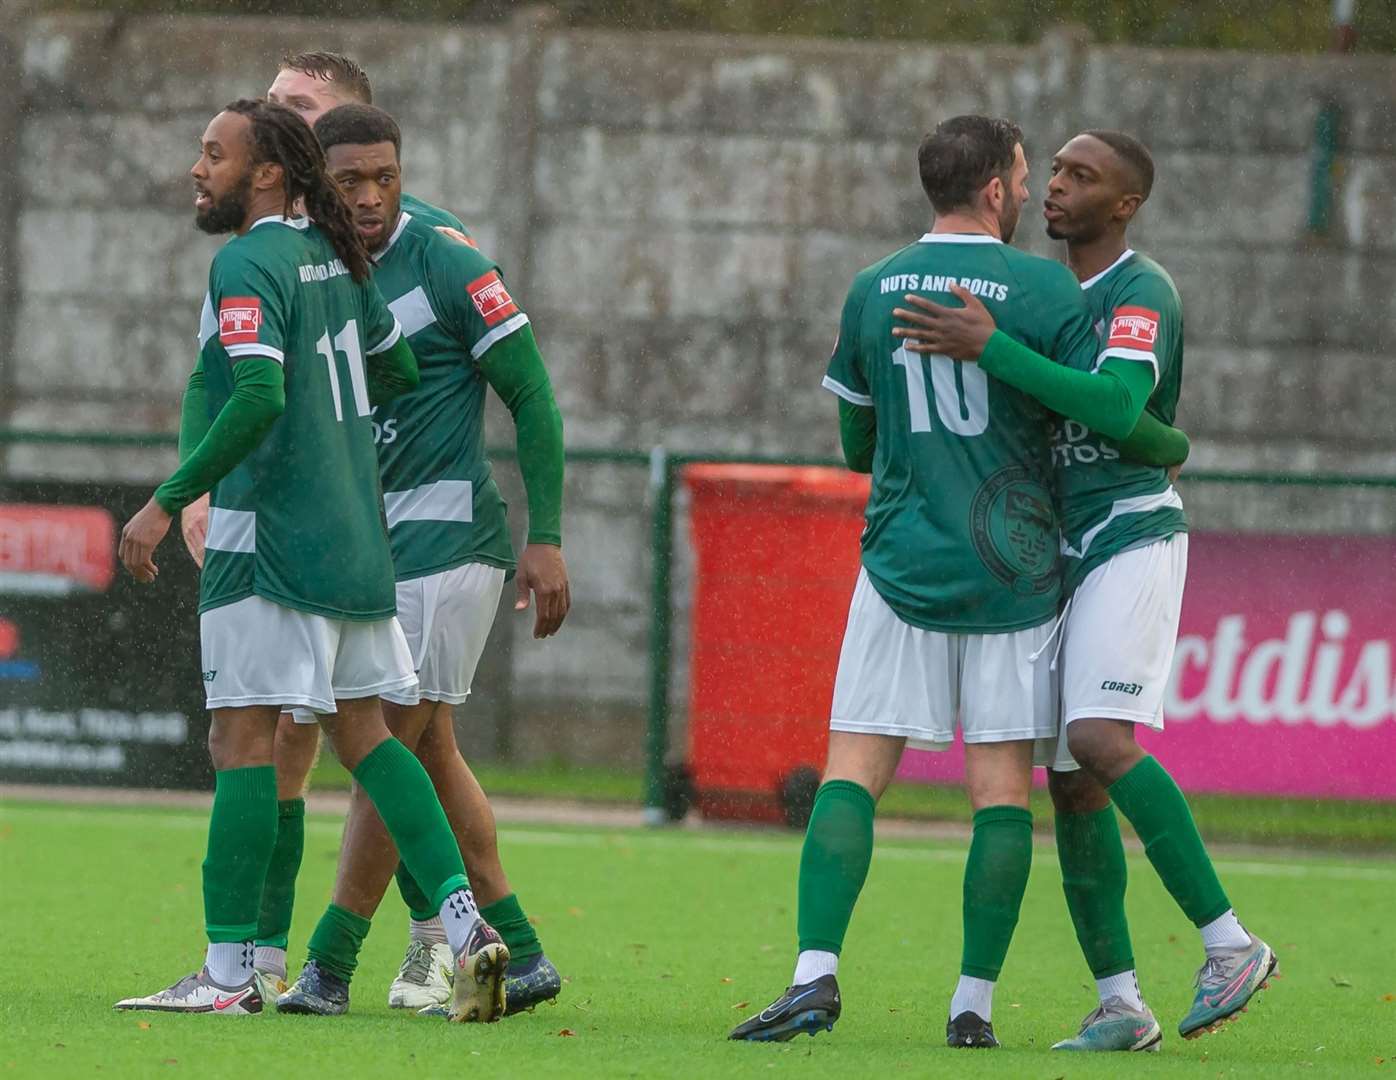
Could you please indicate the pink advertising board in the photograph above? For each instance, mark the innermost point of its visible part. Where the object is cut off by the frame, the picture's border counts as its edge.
(1284, 681)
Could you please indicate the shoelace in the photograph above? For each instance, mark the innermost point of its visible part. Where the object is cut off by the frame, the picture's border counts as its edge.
(416, 963)
(1212, 973)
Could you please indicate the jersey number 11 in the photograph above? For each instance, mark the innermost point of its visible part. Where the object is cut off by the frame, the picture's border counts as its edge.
(346, 342)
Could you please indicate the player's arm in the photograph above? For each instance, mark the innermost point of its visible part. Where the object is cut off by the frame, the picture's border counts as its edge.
(1108, 400)
(847, 379)
(193, 426)
(257, 400)
(391, 372)
(513, 366)
(514, 369)
(1154, 443)
(857, 435)
(495, 331)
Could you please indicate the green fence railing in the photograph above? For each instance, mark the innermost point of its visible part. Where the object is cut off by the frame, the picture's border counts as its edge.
(664, 470)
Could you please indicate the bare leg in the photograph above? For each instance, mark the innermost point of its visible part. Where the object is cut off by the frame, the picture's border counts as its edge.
(297, 748)
(467, 808)
(367, 856)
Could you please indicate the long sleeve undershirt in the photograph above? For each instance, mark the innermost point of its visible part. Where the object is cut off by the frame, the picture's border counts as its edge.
(258, 398)
(1110, 401)
(857, 435)
(514, 369)
(392, 372)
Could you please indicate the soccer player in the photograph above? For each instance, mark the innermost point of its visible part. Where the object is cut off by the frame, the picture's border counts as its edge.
(451, 552)
(1125, 545)
(959, 585)
(311, 84)
(295, 607)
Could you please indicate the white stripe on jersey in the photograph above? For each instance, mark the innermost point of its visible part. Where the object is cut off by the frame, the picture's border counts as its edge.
(231, 530)
(413, 311)
(445, 500)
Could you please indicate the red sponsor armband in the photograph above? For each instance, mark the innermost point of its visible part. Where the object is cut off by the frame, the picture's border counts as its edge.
(491, 299)
(239, 320)
(1133, 328)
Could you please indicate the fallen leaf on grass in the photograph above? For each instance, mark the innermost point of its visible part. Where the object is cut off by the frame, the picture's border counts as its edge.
(742, 1005)
(1338, 980)
(567, 1033)
(1015, 1004)
(575, 911)
(143, 1025)
(726, 979)
(170, 1061)
(1388, 997)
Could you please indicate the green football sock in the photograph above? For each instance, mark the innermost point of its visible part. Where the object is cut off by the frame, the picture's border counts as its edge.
(418, 902)
(336, 941)
(279, 891)
(404, 798)
(834, 863)
(507, 916)
(1149, 798)
(241, 834)
(996, 875)
(1093, 877)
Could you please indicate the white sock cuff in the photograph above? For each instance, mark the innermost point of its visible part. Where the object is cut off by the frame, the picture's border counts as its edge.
(973, 995)
(229, 963)
(270, 959)
(1124, 986)
(428, 931)
(812, 963)
(1225, 932)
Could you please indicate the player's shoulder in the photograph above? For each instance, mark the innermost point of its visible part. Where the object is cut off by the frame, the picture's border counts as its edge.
(272, 247)
(865, 278)
(1146, 273)
(444, 256)
(1038, 272)
(432, 215)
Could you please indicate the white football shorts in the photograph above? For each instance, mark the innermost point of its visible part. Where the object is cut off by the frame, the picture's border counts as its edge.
(895, 679)
(1118, 638)
(256, 652)
(446, 619)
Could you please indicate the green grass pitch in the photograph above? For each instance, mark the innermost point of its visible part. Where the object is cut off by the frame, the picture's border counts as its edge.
(668, 938)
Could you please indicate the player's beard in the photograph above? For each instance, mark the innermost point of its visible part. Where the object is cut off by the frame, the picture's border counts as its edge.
(229, 212)
(1008, 220)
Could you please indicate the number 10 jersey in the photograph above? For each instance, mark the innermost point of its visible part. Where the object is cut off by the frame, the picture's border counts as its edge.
(961, 534)
(299, 521)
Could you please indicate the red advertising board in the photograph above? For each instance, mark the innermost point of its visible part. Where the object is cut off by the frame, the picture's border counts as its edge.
(56, 549)
(1285, 677)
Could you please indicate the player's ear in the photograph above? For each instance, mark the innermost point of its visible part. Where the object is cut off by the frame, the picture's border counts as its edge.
(268, 176)
(994, 192)
(1128, 207)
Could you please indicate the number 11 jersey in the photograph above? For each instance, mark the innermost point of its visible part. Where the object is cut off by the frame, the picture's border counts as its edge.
(961, 533)
(299, 521)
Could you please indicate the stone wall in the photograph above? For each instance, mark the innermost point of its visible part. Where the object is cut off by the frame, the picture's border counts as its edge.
(681, 215)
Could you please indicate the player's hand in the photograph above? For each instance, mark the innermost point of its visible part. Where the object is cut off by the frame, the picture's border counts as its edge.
(455, 234)
(542, 571)
(140, 538)
(193, 523)
(958, 332)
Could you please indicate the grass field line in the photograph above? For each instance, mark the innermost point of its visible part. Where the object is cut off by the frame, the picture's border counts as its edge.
(695, 840)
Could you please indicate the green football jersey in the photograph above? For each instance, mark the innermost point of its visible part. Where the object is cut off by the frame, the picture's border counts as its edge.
(433, 215)
(444, 508)
(961, 533)
(1108, 505)
(300, 520)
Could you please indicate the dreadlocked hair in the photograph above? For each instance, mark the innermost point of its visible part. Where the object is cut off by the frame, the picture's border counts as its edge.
(281, 137)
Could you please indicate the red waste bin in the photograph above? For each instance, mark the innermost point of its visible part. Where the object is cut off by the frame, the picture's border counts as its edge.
(777, 558)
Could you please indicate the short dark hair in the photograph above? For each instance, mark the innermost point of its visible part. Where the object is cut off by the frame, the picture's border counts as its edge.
(332, 67)
(1138, 162)
(962, 155)
(358, 125)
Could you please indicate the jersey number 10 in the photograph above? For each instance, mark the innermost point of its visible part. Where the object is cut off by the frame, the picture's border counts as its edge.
(961, 393)
(346, 342)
